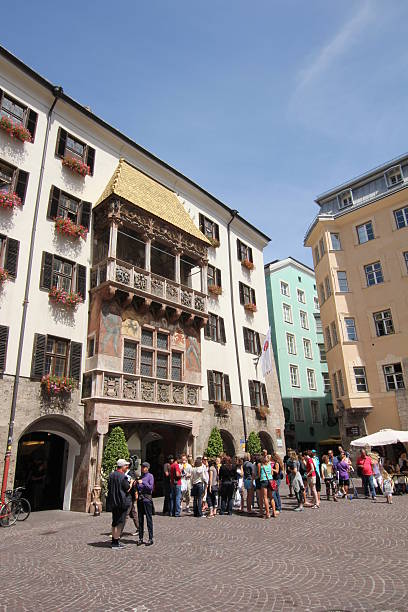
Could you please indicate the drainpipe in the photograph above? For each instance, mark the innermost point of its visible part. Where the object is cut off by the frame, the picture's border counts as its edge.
(234, 213)
(57, 91)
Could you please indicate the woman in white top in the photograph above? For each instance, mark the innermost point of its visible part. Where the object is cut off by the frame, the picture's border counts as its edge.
(198, 479)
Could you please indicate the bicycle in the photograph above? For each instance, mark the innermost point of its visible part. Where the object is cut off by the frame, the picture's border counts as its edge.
(7, 516)
(21, 507)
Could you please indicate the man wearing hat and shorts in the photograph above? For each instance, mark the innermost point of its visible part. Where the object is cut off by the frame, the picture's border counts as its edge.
(119, 500)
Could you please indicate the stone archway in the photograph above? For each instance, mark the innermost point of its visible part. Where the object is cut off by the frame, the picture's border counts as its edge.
(228, 443)
(266, 442)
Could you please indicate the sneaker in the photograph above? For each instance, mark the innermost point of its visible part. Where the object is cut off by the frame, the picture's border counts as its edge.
(298, 509)
(117, 546)
(315, 506)
(374, 500)
(149, 543)
(135, 534)
(139, 543)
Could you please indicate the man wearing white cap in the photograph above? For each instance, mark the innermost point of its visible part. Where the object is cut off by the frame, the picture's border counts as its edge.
(119, 500)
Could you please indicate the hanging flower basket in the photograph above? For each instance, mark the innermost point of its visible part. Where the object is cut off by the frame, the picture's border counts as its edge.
(9, 200)
(76, 166)
(250, 307)
(214, 242)
(70, 299)
(222, 407)
(69, 228)
(57, 385)
(15, 130)
(3, 275)
(262, 412)
(246, 263)
(215, 289)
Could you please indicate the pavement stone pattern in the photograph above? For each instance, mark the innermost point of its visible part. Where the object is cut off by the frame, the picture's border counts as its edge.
(346, 556)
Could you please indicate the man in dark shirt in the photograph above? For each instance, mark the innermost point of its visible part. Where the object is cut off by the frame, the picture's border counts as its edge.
(166, 485)
(119, 500)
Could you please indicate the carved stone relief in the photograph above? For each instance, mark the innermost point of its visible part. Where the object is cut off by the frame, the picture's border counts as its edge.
(147, 390)
(178, 394)
(111, 386)
(163, 393)
(130, 389)
(192, 396)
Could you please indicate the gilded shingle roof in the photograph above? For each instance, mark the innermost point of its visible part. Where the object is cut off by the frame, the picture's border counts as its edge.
(139, 189)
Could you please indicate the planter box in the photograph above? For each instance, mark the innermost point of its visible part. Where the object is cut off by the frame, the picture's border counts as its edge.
(222, 408)
(3, 276)
(76, 166)
(250, 308)
(214, 242)
(15, 130)
(215, 289)
(262, 412)
(9, 200)
(69, 228)
(64, 298)
(57, 385)
(247, 264)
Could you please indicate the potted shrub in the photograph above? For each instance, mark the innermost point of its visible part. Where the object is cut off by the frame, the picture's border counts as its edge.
(214, 242)
(57, 385)
(250, 307)
(69, 228)
(76, 165)
(9, 200)
(70, 299)
(246, 263)
(215, 289)
(222, 407)
(15, 130)
(3, 275)
(262, 412)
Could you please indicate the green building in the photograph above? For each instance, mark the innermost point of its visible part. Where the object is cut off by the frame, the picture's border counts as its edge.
(298, 345)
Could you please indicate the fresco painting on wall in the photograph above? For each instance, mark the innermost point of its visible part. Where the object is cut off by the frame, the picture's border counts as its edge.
(193, 354)
(111, 325)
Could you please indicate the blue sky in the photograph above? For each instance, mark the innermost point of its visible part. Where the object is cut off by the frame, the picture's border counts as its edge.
(265, 104)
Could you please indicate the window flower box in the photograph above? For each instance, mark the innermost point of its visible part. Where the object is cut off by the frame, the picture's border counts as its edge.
(15, 130)
(246, 263)
(69, 228)
(57, 385)
(262, 412)
(222, 407)
(76, 166)
(250, 307)
(3, 276)
(215, 289)
(70, 299)
(214, 242)
(9, 200)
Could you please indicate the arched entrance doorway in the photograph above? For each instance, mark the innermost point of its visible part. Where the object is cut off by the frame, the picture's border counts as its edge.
(228, 442)
(266, 442)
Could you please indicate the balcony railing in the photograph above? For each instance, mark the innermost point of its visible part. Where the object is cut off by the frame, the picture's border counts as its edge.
(147, 284)
(142, 389)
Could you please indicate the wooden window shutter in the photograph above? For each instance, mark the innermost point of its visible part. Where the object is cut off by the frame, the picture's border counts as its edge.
(86, 214)
(241, 293)
(90, 159)
(46, 271)
(218, 277)
(223, 339)
(61, 143)
(21, 184)
(4, 333)
(53, 203)
(264, 395)
(258, 343)
(201, 222)
(81, 280)
(38, 361)
(246, 340)
(211, 389)
(239, 249)
(207, 329)
(75, 356)
(253, 299)
(250, 256)
(252, 397)
(11, 257)
(227, 389)
(32, 122)
(216, 231)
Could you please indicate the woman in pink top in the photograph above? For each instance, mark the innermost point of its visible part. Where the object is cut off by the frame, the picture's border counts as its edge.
(311, 478)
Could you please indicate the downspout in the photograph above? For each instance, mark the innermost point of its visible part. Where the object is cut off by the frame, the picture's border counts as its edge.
(57, 91)
(233, 215)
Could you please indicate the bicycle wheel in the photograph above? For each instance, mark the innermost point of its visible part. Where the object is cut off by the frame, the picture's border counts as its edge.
(7, 516)
(25, 509)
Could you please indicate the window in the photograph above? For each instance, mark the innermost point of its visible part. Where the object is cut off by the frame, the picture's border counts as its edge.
(345, 199)
(13, 180)
(401, 217)
(244, 251)
(18, 113)
(246, 294)
(322, 294)
(287, 313)
(317, 255)
(129, 357)
(214, 276)
(285, 289)
(335, 386)
(301, 296)
(342, 281)
(322, 247)
(327, 287)
(215, 329)
(304, 322)
(146, 363)
(335, 242)
(294, 375)
(350, 329)
(365, 232)
(374, 275)
(252, 342)
(147, 337)
(218, 387)
(322, 352)
(257, 393)
(326, 382)
(360, 378)
(316, 303)
(327, 337)
(176, 366)
(9, 250)
(91, 346)
(61, 204)
(315, 410)
(311, 379)
(70, 146)
(383, 323)
(291, 344)
(341, 382)
(63, 274)
(298, 410)
(162, 365)
(334, 335)
(209, 228)
(394, 378)
(56, 356)
(406, 259)
(307, 348)
(394, 176)
(162, 341)
(319, 326)
(4, 334)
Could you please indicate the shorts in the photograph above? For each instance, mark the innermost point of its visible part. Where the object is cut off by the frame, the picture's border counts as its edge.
(264, 484)
(119, 516)
(344, 482)
(311, 480)
(318, 484)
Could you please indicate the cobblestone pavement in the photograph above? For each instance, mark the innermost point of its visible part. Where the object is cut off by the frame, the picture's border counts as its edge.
(346, 556)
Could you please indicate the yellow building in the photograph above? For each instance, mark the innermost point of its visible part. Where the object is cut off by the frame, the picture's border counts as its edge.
(360, 249)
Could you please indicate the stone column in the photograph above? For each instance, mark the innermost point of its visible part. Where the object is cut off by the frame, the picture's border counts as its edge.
(102, 427)
(148, 251)
(204, 276)
(177, 271)
(113, 239)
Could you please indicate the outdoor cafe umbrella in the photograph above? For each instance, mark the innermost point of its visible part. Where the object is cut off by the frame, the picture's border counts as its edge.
(382, 438)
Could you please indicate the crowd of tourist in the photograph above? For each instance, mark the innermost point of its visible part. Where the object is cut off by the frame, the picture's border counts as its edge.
(210, 486)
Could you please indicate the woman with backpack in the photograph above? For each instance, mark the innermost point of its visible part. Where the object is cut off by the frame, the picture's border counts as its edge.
(277, 471)
(268, 484)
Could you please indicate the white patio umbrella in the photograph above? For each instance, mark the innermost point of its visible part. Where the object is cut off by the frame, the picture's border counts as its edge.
(382, 438)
